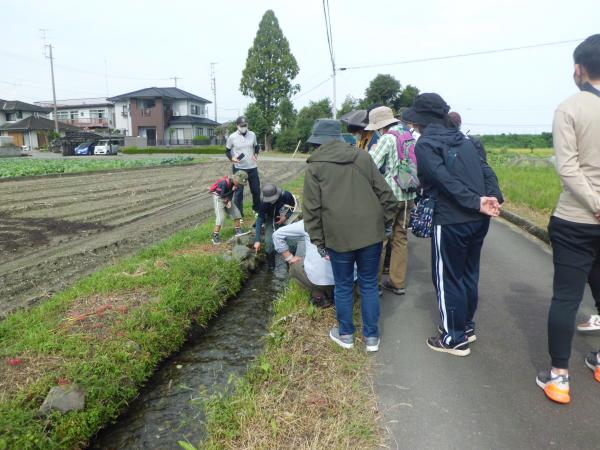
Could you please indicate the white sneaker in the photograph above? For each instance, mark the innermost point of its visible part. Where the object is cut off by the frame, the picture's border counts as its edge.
(592, 324)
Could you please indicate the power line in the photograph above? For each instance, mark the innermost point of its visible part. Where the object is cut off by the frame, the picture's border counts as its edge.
(462, 55)
(313, 88)
(327, 15)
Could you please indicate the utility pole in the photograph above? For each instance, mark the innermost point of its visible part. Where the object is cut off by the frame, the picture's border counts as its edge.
(175, 80)
(213, 85)
(334, 94)
(49, 46)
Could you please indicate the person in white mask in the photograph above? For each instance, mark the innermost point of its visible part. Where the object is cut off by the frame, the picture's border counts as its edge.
(242, 150)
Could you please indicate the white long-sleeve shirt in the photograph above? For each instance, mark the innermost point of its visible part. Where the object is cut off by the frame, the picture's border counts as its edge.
(318, 269)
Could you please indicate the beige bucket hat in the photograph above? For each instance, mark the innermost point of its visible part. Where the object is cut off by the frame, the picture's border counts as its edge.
(381, 117)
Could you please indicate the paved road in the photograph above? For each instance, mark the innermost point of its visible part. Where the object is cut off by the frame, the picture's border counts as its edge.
(489, 399)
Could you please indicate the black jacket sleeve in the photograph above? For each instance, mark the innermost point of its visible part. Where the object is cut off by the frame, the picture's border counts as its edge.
(431, 165)
(228, 153)
(492, 187)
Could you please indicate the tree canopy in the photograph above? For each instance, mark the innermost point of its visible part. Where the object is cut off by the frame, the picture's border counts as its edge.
(270, 69)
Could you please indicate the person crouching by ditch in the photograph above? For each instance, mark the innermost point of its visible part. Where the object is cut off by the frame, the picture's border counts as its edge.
(222, 192)
(347, 206)
(275, 209)
(454, 171)
(312, 272)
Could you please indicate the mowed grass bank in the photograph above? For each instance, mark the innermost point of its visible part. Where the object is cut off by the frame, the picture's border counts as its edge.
(107, 334)
(303, 392)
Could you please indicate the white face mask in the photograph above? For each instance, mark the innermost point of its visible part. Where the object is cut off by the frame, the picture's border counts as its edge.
(242, 129)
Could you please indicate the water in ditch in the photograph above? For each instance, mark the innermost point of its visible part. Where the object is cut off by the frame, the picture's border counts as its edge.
(170, 407)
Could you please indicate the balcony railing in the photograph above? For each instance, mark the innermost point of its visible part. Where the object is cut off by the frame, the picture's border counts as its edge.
(85, 122)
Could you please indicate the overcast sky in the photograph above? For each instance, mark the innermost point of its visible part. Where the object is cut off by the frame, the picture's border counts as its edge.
(144, 43)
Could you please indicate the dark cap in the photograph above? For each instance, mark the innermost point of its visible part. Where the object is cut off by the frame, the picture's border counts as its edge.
(326, 130)
(427, 108)
(241, 121)
(270, 193)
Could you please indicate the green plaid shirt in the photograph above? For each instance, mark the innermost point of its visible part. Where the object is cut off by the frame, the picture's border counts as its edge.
(386, 153)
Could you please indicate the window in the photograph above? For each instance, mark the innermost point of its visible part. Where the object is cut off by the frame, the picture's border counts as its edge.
(97, 113)
(197, 110)
(11, 117)
(19, 114)
(211, 132)
(146, 103)
(74, 114)
(62, 115)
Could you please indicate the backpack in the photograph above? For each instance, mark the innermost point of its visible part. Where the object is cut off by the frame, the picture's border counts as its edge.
(215, 186)
(406, 178)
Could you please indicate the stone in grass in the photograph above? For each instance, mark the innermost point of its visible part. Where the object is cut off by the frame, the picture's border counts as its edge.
(250, 263)
(240, 252)
(132, 345)
(227, 257)
(247, 240)
(64, 398)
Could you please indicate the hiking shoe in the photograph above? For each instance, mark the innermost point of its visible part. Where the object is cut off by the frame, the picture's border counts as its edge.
(556, 387)
(321, 302)
(343, 340)
(389, 287)
(592, 324)
(241, 232)
(436, 343)
(372, 344)
(216, 239)
(469, 333)
(591, 360)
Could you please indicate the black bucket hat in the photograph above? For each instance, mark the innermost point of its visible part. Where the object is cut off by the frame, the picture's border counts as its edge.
(326, 130)
(427, 108)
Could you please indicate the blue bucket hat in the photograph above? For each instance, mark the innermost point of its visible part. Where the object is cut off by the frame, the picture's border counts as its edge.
(326, 130)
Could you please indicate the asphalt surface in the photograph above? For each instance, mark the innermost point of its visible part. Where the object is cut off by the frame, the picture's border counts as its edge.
(489, 399)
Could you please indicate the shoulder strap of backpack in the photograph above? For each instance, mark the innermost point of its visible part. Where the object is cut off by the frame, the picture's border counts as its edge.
(589, 88)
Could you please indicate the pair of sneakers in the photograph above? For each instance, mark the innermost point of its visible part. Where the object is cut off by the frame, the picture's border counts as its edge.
(592, 324)
(347, 340)
(439, 343)
(556, 386)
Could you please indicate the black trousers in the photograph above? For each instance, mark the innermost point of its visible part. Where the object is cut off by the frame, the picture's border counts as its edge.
(455, 256)
(594, 282)
(575, 248)
(254, 183)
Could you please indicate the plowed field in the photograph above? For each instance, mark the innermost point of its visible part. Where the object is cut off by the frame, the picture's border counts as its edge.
(54, 230)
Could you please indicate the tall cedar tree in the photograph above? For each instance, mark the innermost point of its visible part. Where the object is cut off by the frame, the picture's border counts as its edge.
(270, 68)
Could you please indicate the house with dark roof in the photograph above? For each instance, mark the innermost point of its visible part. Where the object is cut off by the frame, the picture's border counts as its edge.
(15, 112)
(165, 116)
(32, 132)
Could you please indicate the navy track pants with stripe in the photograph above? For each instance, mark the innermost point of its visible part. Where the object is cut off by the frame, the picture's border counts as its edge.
(455, 256)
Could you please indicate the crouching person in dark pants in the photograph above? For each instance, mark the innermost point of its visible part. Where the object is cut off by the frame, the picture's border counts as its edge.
(454, 171)
(312, 272)
(347, 205)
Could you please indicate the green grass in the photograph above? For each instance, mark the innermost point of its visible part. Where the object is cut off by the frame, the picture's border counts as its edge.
(535, 186)
(205, 150)
(176, 289)
(18, 167)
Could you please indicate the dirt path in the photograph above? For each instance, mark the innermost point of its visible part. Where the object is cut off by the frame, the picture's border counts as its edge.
(54, 230)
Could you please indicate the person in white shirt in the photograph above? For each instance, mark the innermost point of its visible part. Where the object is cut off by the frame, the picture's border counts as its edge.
(313, 272)
(242, 150)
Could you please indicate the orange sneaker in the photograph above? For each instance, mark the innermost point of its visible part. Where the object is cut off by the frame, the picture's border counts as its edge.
(556, 387)
(591, 360)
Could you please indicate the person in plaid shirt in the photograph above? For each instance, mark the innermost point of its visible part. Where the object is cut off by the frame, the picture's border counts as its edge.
(385, 155)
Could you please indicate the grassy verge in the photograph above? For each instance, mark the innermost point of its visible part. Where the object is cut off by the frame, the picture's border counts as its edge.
(206, 150)
(531, 190)
(18, 167)
(304, 392)
(107, 334)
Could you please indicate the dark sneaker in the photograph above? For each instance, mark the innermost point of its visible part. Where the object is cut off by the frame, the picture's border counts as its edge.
(461, 349)
(591, 360)
(556, 387)
(469, 333)
(372, 344)
(241, 232)
(389, 287)
(321, 302)
(216, 239)
(343, 340)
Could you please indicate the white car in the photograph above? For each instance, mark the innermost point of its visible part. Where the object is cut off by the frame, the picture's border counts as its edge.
(106, 147)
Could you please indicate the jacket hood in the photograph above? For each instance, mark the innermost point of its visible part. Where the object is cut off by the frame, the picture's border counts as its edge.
(450, 136)
(335, 152)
